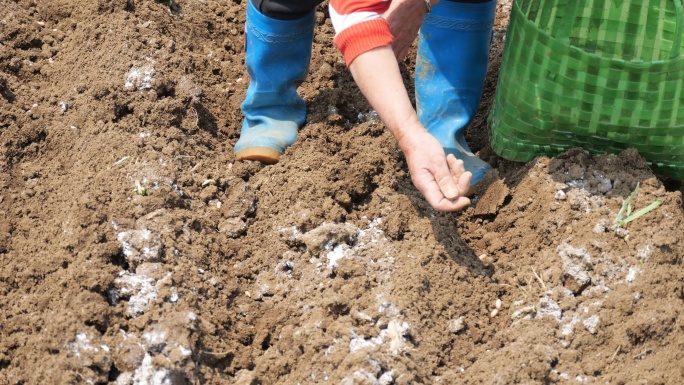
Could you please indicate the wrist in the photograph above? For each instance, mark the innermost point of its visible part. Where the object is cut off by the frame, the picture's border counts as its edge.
(408, 136)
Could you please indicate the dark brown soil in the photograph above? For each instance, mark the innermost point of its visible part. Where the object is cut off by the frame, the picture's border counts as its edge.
(325, 268)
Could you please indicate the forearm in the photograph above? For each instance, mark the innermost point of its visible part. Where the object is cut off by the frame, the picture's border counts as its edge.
(442, 180)
(377, 74)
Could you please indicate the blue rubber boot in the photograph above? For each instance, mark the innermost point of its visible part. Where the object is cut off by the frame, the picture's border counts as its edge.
(453, 53)
(277, 59)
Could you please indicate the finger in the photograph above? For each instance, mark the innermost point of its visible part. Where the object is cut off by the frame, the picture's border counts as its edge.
(399, 51)
(457, 205)
(448, 185)
(436, 199)
(427, 185)
(446, 182)
(446, 205)
(464, 182)
(460, 175)
(456, 166)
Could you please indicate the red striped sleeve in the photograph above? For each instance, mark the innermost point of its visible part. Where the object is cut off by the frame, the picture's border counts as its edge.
(360, 26)
(346, 7)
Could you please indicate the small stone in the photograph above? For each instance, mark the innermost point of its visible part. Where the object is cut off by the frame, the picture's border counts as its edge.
(601, 226)
(128, 355)
(233, 227)
(560, 195)
(486, 260)
(326, 71)
(457, 325)
(591, 323)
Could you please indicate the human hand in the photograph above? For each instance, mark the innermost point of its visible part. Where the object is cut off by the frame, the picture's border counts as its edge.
(404, 18)
(441, 179)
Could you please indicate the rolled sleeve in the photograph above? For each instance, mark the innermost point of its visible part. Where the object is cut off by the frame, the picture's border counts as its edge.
(359, 26)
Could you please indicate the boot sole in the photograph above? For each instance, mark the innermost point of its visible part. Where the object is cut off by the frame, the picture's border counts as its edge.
(262, 154)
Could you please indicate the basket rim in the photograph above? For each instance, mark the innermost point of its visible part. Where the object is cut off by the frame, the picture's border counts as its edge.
(634, 63)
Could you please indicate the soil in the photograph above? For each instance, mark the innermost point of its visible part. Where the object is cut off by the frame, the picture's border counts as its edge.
(135, 250)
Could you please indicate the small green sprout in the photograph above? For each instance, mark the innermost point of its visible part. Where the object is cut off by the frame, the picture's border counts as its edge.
(625, 215)
(139, 189)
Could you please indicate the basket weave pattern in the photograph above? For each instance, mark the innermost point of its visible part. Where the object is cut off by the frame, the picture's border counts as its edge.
(604, 75)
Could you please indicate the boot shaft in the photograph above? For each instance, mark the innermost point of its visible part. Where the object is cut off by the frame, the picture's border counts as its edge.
(453, 54)
(278, 53)
(277, 57)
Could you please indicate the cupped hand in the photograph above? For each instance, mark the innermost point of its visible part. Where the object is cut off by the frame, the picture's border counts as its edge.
(441, 179)
(404, 18)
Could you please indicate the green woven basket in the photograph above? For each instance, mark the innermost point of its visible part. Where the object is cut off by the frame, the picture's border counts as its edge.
(604, 75)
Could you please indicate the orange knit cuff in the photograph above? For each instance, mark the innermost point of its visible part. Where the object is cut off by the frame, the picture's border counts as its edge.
(363, 37)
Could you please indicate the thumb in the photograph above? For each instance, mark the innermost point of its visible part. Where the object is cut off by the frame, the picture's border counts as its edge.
(447, 184)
